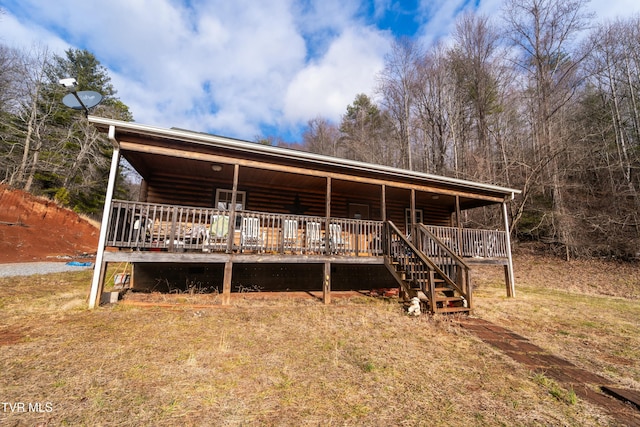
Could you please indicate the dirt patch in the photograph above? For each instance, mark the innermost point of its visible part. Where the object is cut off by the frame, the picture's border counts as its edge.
(10, 336)
(37, 229)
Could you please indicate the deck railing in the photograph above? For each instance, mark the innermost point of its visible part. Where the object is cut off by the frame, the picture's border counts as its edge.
(472, 243)
(150, 226)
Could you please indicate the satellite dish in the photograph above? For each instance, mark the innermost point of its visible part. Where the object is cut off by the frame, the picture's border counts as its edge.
(82, 100)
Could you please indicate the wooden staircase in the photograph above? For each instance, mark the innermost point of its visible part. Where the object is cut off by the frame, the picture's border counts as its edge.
(440, 281)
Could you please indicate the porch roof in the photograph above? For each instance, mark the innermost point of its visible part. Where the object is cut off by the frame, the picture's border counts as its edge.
(151, 150)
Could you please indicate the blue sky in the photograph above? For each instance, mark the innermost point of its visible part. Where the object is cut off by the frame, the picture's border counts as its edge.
(242, 68)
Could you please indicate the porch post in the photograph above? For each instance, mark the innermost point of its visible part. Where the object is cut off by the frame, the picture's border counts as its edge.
(226, 283)
(326, 283)
(413, 215)
(508, 269)
(328, 215)
(232, 212)
(97, 284)
(383, 203)
(144, 191)
(459, 225)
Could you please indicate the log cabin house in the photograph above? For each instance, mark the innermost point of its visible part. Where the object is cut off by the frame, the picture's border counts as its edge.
(226, 215)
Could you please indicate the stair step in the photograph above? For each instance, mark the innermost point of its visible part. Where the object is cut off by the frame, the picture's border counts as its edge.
(453, 309)
(448, 299)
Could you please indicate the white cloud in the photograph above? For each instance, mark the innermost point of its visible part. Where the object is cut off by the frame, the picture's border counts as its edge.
(325, 87)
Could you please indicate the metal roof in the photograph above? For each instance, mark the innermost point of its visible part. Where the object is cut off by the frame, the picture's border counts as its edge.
(291, 154)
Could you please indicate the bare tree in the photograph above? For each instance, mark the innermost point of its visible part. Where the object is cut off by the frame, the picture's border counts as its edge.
(436, 113)
(474, 61)
(397, 84)
(544, 32)
(321, 137)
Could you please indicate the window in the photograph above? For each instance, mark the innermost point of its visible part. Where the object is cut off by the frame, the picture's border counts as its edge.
(223, 202)
(223, 199)
(407, 218)
(358, 211)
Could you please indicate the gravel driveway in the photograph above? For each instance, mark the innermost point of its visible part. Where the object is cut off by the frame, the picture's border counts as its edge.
(30, 268)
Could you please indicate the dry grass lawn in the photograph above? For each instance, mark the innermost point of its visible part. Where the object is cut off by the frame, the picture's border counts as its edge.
(358, 362)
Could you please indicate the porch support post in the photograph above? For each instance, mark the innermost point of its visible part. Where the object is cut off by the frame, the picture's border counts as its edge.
(326, 283)
(144, 191)
(226, 283)
(97, 284)
(508, 269)
(232, 211)
(413, 215)
(383, 203)
(459, 225)
(328, 217)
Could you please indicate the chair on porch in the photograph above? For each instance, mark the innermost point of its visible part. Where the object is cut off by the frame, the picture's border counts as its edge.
(313, 237)
(218, 233)
(250, 237)
(290, 233)
(336, 240)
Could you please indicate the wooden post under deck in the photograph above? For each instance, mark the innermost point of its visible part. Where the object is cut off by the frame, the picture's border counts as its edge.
(226, 283)
(326, 284)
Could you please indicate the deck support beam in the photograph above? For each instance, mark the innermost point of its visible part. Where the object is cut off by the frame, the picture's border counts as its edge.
(508, 269)
(97, 283)
(226, 283)
(326, 284)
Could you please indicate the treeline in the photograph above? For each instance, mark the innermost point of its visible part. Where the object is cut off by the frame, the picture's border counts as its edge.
(540, 99)
(45, 147)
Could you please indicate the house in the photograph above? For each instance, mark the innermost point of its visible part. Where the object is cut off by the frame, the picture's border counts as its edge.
(224, 214)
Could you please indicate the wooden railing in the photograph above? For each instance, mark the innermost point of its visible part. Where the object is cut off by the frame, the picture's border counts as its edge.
(449, 264)
(149, 226)
(412, 268)
(472, 243)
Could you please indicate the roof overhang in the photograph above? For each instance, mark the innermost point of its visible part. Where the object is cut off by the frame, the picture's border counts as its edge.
(177, 143)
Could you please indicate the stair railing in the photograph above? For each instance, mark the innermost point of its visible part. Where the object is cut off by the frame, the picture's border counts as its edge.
(407, 257)
(451, 267)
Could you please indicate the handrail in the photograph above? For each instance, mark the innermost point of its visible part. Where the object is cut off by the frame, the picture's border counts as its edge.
(473, 243)
(424, 229)
(453, 269)
(401, 251)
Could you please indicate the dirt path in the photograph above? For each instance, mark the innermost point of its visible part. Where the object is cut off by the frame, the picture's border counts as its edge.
(624, 408)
